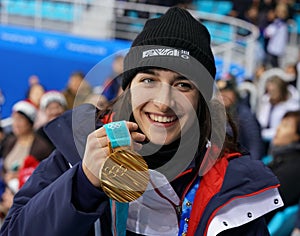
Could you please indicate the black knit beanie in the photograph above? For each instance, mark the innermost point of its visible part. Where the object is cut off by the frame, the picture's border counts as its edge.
(175, 41)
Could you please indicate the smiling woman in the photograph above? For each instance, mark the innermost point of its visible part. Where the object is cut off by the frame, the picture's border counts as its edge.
(157, 161)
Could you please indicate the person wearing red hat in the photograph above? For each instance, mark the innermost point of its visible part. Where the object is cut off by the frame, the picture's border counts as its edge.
(156, 162)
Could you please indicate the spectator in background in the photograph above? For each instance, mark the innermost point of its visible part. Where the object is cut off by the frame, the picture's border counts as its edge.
(240, 8)
(33, 79)
(112, 85)
(34, 94)
(77, 90)
(20, 144)
(248, 126)
(6, 202)
(265, 17)
(2, 134)
(292, 72)
(273, 105)
(290, 4)
(285, 150)
(265, 8)
(276, 34)
(2, 100)
(53, 103)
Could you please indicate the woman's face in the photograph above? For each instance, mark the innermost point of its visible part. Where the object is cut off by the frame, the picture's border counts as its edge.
(286, 132)
(21, 125)
(74, 83)
(273, 91)
(53, 110)
(164, 104)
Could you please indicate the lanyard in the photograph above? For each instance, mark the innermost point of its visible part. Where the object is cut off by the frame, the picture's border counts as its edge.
(187, 208)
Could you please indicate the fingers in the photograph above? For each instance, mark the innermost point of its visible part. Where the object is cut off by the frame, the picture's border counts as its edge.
(138, 137)
(100, 133)
(132, 126)
(103, 142)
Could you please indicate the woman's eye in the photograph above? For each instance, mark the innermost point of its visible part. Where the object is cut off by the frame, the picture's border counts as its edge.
(147, 80)
(185, 86)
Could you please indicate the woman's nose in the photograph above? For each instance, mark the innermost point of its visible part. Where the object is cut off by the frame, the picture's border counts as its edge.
(163, 97)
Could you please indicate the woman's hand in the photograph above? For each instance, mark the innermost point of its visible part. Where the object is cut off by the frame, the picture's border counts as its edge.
(97, 150)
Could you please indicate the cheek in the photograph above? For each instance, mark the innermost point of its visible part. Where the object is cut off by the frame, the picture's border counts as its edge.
(191, 102)
(285, 136)
(22, 127)
(190, 108)
(140, 96)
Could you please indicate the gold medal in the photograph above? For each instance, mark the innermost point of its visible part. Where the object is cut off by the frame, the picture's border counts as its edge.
(124, 175)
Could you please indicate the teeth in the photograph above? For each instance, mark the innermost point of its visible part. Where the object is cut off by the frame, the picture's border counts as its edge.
(162, 119)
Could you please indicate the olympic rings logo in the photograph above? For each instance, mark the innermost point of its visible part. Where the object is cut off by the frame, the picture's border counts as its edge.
(115, 171)
(114, 125)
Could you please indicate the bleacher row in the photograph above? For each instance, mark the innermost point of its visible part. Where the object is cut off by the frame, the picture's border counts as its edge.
(220, 32)
(213, 6)
(50, 10)
(223, 7)
(68, 11)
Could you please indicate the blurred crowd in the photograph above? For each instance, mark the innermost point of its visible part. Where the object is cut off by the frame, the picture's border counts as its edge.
(265, 107)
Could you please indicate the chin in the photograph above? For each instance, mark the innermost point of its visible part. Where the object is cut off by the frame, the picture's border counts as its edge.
(160, 140)
(278, 143)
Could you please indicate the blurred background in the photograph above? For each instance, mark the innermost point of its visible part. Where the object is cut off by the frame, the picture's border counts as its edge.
(77, 47)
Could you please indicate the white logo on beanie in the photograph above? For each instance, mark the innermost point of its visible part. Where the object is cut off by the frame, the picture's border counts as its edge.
(166, 52)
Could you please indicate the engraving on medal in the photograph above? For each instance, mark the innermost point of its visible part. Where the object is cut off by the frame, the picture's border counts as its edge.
(115, 171)
(124, 176)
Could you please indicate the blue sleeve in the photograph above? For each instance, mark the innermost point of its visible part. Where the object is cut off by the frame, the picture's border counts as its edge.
(83, 190)
(44, 204)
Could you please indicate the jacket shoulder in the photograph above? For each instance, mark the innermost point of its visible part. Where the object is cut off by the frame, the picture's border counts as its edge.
(244, 171)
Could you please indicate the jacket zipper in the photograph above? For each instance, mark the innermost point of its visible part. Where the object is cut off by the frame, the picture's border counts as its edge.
(177, 208)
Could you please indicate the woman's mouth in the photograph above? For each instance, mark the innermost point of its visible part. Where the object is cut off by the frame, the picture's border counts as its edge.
(162, 118)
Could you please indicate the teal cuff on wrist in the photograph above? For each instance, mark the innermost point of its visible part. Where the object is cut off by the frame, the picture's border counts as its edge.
(118, 134)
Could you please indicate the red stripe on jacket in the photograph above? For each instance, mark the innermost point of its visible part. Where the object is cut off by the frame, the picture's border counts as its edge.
(211, 182)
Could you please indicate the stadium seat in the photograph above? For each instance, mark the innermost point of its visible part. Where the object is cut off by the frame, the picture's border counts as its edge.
(297, 19)
(216, 7)
(204, 6)
(283, 222)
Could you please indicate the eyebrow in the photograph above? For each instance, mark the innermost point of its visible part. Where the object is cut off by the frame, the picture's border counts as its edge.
(153, 72)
